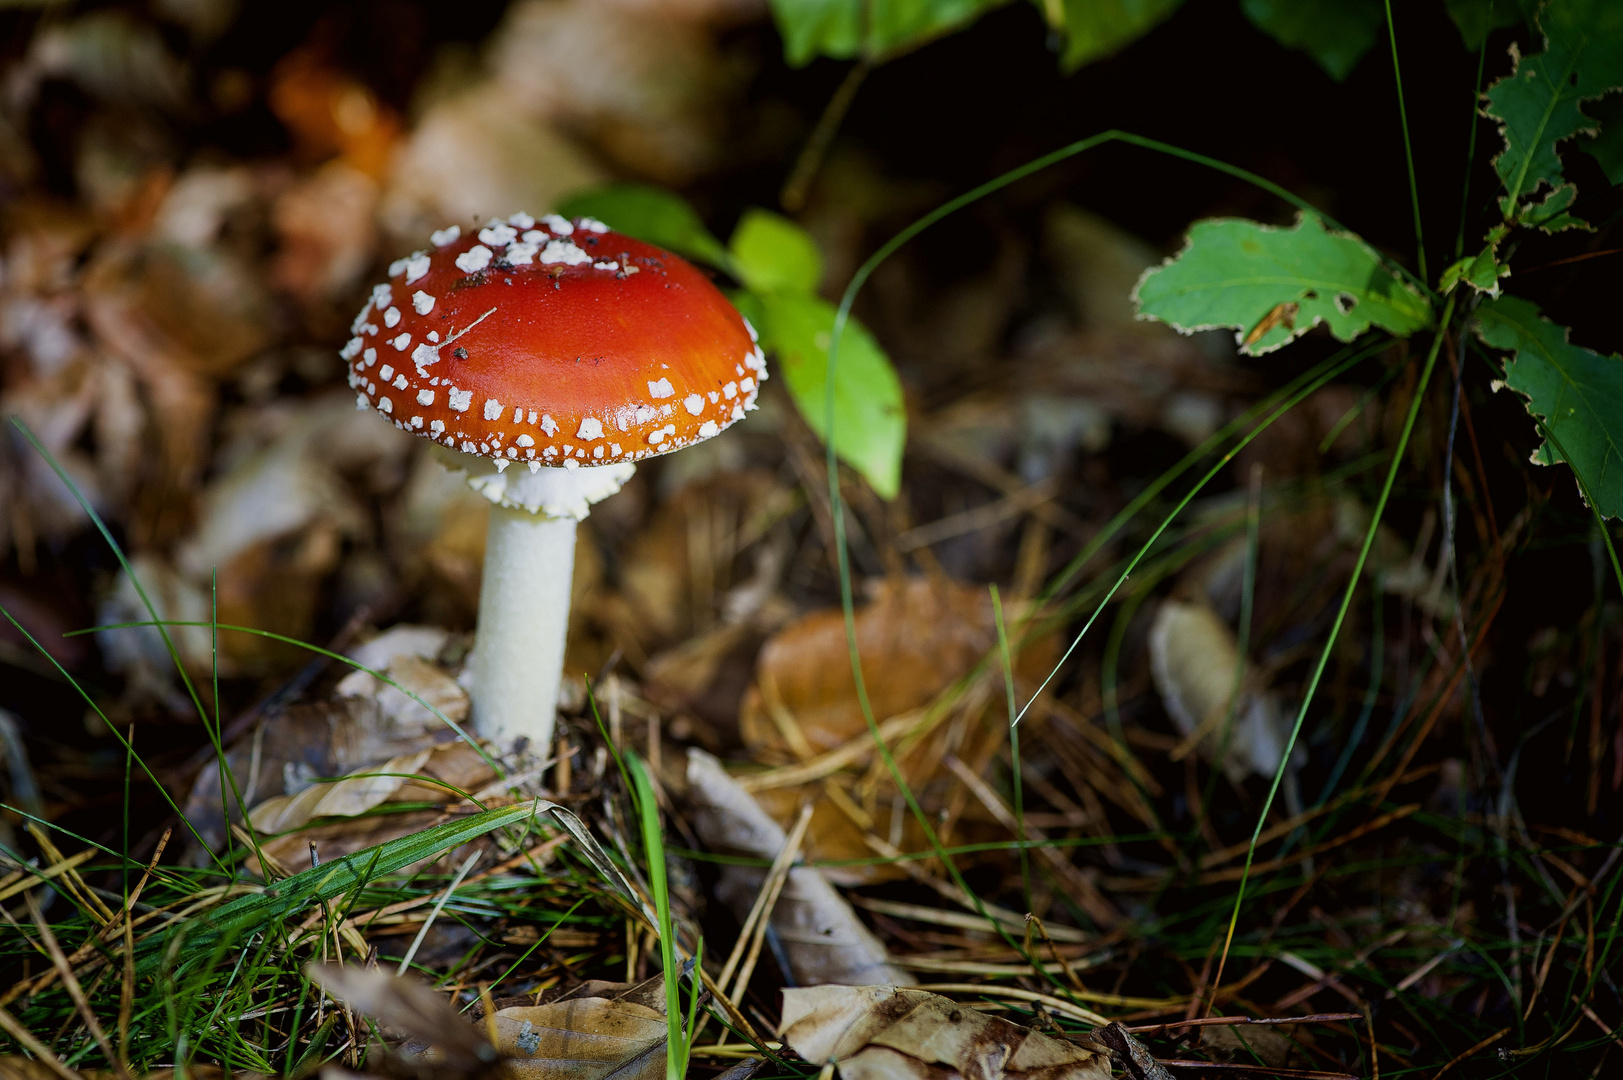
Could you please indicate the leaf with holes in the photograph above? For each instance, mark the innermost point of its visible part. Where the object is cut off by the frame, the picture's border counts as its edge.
(1335, 33)
(1274, 284)
(1540, 104)
(870, 420)
(1576, 393)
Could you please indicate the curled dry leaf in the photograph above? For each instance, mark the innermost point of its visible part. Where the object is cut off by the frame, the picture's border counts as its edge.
(597, 1031)
(363, 726)
(916, 637)
(822, 936)
(341, 808)
(407, 1008)
(891, 1033)
(1194, 658)
(356, 793)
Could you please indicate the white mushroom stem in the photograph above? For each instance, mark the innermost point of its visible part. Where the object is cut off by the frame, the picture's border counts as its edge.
(518, 653)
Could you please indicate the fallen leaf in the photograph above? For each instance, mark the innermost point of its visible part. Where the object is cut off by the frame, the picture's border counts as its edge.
(890, 1033)
(355, 793)
(328, 111)
(474, 155)
(328, 231)
(584, 1038)
(646, 89)
(412, 1010)
(1194, 658)
(821, 934)
(916, 637)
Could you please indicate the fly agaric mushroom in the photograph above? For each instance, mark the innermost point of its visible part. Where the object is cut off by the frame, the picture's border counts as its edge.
(544, 358)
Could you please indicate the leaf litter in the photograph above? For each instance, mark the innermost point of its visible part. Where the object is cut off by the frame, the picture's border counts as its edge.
(168, 332)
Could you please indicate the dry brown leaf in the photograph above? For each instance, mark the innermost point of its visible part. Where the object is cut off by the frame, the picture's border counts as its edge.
(890, 1033)
(475, 155)
(646, 89)
(824, 939)
(584, 1038)
(354, 794)
(916, 637)
(327, 225)
(328, 112)
(407, 1007)
(447, 769)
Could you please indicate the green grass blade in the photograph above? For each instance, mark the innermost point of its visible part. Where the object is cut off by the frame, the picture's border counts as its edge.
(1014, 746)
(250, 914)
(1335, 627)
(1408, 151)
(653, 843)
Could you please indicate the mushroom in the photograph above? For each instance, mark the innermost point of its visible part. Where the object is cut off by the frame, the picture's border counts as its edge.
(544, 358)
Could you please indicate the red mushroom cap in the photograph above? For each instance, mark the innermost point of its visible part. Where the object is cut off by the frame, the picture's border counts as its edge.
(551, 342)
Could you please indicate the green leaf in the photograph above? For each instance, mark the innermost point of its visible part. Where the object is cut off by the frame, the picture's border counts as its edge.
(772, 253)
(250, 914)
(1577, 393)
(650, 214)
(1539, 104)
(1477, 19)
(871, 29)
(1274, 284)
(1095, 29)
(1481, 271)
(1336, 33)
(1607, 146)
(870, 420)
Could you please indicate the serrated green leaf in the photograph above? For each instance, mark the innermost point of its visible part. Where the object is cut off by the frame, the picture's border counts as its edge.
(1335, 33)
(1607, 146)
(651, 214)
(1577, 393)
(1274, 284)
(772, 254)
(1477, 19)
(1095, 29)
(1539, 105)
(870, 29)
(870, 419)
(1481, 271)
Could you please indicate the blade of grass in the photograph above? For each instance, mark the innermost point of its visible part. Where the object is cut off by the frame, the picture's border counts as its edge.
(1014, 746)
(654, 850)
(163, 791)
(1470, 142)
(1408, 151)
(249, 914)
(1335, 628)
(146, 601)
(434, 912)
